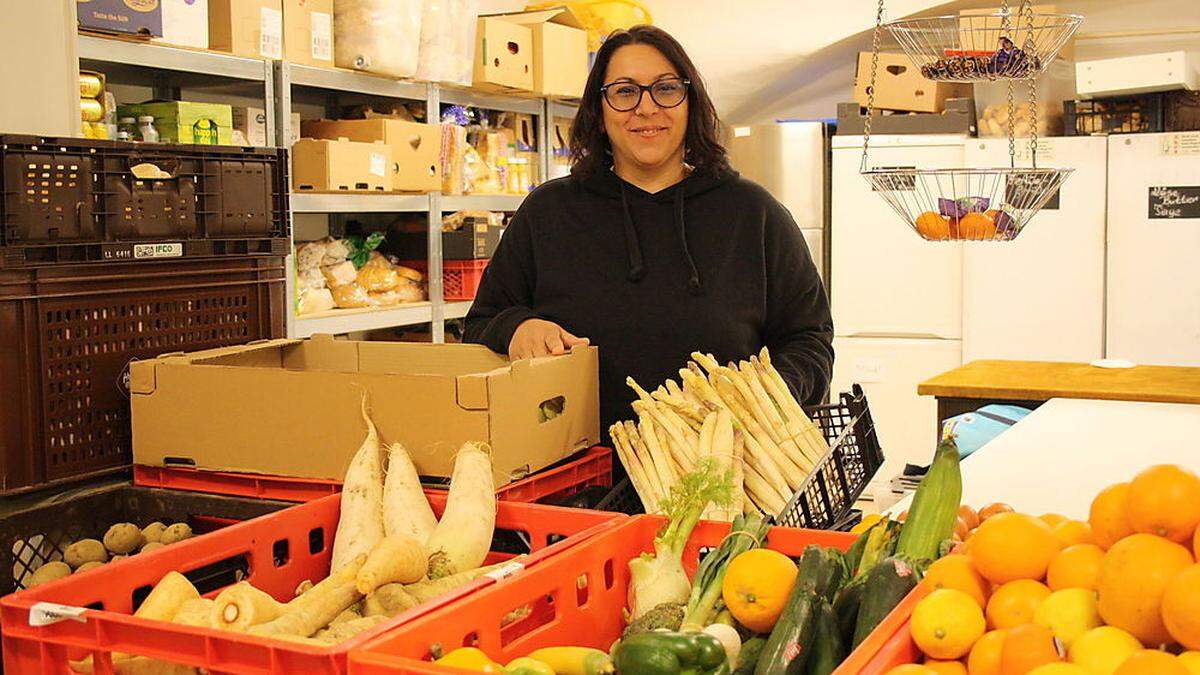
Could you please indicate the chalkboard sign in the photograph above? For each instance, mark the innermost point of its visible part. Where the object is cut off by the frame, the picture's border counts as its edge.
(1022, 191)
(1175, 202)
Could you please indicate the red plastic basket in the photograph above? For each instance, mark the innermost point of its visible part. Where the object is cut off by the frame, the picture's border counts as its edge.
(460, 278)
(276, 553)
(593, 468)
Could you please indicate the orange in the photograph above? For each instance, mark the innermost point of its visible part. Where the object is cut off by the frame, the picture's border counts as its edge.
(1013, 546)
(1071, 532)
(976, 226)
(993, 509)
(985, 655)
(1133, 580)
(1053, 519)
(1108, 519)
(1060, 669)
(1026, 647)
(911, 669)
(956, 571)
(969, 515)
(1181, 607)
(756, 587)
(1015, 602)
(1196, 543)
(1151, 662)
(1165, 500)
(947, 667)
(1190, 661)
(1075, 566)
(933, 225)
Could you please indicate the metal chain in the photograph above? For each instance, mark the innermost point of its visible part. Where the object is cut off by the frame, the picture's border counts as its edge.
(871, 88)
(1027, 10)
(1006, 31)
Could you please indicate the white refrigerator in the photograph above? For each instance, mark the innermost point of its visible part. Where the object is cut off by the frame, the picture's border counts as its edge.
(897, 299)
(790, 160)
(1154, 248)
(1040, 297)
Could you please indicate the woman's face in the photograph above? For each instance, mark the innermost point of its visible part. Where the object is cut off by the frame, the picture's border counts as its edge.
(649, 136)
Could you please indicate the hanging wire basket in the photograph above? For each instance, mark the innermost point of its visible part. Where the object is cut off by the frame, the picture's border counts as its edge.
(966, 204)
(984, 47)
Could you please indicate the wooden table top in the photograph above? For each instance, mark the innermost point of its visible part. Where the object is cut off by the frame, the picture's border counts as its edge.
(1043, 380)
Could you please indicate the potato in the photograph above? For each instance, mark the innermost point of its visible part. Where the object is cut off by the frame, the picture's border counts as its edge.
(89, 566)
(85, 551)
(152, 546)
(153, 531)
(51, 571)
(123, 538)
(176, 533)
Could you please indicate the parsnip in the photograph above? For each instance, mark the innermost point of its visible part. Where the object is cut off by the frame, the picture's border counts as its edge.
(351, 613)
(406, 510)
(348, 629)
(428, 590)
(315, 609)
(241, 606)
(398, 558)
(137, 665)
(464, 535)
(360, 523)
(168, 595)
(389, 600)
(197, 612)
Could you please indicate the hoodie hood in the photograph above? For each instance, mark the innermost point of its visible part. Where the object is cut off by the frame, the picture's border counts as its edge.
(608, 184)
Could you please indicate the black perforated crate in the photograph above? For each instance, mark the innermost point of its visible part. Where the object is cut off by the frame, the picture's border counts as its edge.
(826, 499)
(71, 200)
(1145, 113)
(37, 528)
(68, 333)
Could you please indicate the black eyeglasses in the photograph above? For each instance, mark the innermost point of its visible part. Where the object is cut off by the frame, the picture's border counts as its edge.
(625, 96)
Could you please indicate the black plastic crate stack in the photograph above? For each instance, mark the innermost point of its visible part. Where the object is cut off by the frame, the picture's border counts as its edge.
(113, 251)
(1145, 113)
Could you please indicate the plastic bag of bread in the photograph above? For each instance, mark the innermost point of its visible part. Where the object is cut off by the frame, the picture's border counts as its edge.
(410, 274)
(310, 279)
(377, 279)
(309, 256)
(336, 251)
(406, 291)
(313, 300)
(351, 296)
(378, 260)
(340, 274)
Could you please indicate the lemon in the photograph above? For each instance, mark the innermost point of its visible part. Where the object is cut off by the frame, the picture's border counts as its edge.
(1069, 613)
(1060, 669)
(1101, 650)
(470, 658)
(946, 623)
(1191, 662)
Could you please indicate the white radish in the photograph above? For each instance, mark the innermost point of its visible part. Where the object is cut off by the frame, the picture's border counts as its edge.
(464, 535)
(406, 510)
(360, 524)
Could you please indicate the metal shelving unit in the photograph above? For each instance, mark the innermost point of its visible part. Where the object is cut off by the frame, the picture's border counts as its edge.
(481, 202)
(320, 202)
(161, 57)
(354, 320)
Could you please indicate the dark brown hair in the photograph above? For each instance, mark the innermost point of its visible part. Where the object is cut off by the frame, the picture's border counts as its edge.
(590, 148)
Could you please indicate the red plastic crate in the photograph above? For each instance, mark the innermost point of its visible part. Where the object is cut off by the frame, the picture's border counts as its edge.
(276, 553)
(593, 468)
(460, 278)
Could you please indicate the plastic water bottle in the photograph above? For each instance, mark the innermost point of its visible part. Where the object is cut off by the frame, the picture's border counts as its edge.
(146, 129)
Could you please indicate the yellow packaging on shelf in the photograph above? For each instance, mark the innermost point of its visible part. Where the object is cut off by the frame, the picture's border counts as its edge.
(91, 110)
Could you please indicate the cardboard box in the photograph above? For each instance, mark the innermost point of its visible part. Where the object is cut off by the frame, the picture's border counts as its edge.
(503, 55)
(186, 122)
(308, 32)
(322, 165)
(560, 50)
(135, 17)
(292, 407)
(185, 23)
(990, 27)
(1165, 71)
(250, 28)
(957, 118)
(416, 163)
(899, 85)
(252, 124)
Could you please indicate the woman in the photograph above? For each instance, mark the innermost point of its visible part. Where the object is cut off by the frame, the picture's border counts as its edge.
(653, 247)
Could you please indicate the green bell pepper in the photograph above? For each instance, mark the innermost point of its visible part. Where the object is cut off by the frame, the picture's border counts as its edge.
(670, 653)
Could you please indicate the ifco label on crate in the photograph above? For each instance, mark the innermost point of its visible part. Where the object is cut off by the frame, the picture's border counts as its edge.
(1175, 202)
(142, 251)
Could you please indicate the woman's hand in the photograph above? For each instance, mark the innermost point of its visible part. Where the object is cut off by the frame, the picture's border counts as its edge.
(536, 337)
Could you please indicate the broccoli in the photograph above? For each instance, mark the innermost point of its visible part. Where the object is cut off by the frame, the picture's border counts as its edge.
(668, 615)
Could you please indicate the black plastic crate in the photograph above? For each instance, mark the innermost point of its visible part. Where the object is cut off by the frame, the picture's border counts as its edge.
(37, 528)
(826, 500)
(1177, 110)
(72, 200)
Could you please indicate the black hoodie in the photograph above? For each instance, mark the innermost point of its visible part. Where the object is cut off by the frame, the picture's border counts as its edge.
(713, 263)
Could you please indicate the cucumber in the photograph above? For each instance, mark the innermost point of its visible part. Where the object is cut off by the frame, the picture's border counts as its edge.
(845, 608)
(885, 587)
(934, 506)
(828, 649)
(749, 655)
(786, 649)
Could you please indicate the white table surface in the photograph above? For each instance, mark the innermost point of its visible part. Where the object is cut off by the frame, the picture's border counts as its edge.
(1057, 458)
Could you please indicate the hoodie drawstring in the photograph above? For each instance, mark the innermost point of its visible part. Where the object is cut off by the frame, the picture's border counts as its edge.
(695, 287)
(637, 265)
(637, 268)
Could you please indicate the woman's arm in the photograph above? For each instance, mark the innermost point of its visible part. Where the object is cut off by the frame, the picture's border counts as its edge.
(505, 296)
(799, 328)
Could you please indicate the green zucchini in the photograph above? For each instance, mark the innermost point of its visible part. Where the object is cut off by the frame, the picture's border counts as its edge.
(786, 649)
(748, 657)
(828, 649)
(845, 608)
(934, 506)
(885, 587)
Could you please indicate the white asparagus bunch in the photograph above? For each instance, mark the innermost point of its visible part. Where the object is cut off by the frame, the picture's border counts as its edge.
(743, 414)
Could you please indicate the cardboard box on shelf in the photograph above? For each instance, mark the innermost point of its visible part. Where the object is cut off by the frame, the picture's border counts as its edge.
(292, 407)
(308, 32)
(990, 26)
(185, 23)
(341, 165)
(503, 55)
(899, 85)
(415, 164)
(252, 124)
(186, 122)
(250, 28)
(560, 50)
(119, 16)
